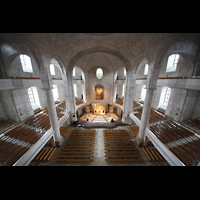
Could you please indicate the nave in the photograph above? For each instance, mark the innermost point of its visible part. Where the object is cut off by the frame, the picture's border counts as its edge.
(102, 147)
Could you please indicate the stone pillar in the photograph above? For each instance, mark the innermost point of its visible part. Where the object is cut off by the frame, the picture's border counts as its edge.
(47, 86)
(53, 116)
(66, 89)
(128, 98)
(145, 116)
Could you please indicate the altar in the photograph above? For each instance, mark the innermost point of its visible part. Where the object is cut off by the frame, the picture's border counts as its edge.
(99, 108)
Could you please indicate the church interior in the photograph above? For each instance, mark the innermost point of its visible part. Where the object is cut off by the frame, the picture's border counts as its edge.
(99, 99)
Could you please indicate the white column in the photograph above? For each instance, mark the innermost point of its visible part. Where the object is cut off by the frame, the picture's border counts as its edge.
(53, 116)
(47, 86)
(129, 95)
(145, 116)
(66, 89)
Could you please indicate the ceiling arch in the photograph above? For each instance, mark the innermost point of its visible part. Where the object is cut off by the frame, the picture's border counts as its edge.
(106, 50)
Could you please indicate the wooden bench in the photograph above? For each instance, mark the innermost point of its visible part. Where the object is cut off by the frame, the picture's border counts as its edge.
(79, 147)
(119, 147)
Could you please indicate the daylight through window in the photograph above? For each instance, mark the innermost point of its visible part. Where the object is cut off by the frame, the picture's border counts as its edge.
(167, 95)
(52, 69)
(146, 68)
(26, 63)
(31, 96)
(99, 73)
(172, 63)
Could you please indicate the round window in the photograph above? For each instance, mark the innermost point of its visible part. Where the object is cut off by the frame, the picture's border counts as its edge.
(99, 73)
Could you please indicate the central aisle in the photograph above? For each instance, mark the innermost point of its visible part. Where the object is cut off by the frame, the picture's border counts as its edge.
(99, 155)
(99, 119)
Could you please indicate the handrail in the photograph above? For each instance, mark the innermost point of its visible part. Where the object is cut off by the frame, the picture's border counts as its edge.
(34, 150)
(172, 159)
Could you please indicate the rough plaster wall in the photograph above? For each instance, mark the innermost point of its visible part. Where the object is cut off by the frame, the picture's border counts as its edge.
(22, 103)
(77, 73)
(196, 113)
(120, 73)
(138, 89)
(79, 90)
(184, 68)
(156, 97)
(57, 73)
(119, 90)
(190, 103)
(15, 69)
(61, 93)
(9, 105)
(140, 73)
(2, 110)
(42, 97)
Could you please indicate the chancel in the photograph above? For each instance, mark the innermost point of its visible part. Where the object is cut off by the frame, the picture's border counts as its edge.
(100, 99)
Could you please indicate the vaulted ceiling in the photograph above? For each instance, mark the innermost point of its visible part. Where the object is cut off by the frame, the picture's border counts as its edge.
(85, 50)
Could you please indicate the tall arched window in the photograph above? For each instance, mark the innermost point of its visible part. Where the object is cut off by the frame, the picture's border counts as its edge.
(164, 98)
(26, 63)
(167, 95)
(143, 93)
(75, 90)
(123, 90)
(31, 96)
(172, 63)
(146, 69)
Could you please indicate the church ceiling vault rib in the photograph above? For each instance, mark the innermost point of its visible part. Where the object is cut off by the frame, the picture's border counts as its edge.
(118, 54)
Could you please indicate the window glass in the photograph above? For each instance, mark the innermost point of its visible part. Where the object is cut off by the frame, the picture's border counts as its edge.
(124, 71)
(143, 93)
(146, 68)
(31, 96)
(167, 96)
(99, 73)
(26, 63)
(172, 63)
(52, 69)
(75, 90)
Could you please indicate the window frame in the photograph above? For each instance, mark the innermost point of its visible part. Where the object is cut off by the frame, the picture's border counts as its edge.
(26, 63)
(31, 97)
(167, 96)
(146, 69)
(52, 70)
(98, 74)
(172, 67)
(75, 90)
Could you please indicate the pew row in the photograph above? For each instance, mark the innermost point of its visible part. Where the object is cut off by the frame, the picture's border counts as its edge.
(78, 147)
(119, 147)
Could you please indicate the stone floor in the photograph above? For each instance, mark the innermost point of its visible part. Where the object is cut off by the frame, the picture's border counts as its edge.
(99, 159)
(99, 118)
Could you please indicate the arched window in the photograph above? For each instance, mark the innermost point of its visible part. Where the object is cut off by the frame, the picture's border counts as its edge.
(26, 63)
(99, 73)
(164, 98)
(124, 71)
(172, 63)
(167, 95)
(31, 96)
(123, 90)
(52, 69)
(34, 99)
(75, 90)
(55, 93)
(143, 93)
(74, 71)
(146, 69)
